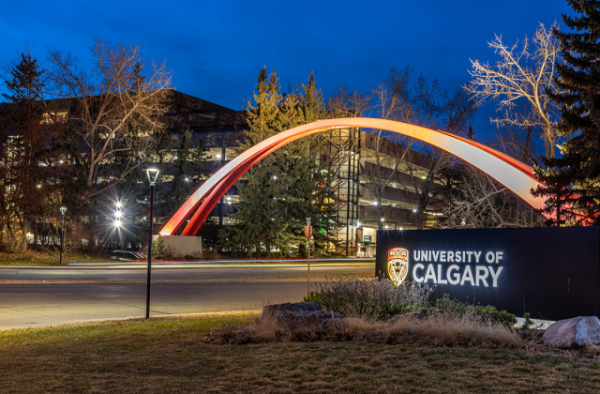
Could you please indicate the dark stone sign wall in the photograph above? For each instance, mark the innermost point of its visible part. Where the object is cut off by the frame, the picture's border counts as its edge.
(552, 273)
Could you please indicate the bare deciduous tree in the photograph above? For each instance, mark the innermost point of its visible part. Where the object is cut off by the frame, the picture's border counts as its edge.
(522, 77)
(483, 203)
(113, 109)
(391, 100)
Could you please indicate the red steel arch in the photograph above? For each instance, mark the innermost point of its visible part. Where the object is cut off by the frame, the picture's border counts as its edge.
(512, 173)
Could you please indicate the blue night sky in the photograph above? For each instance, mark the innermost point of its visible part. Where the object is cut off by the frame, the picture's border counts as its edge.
(215, 48)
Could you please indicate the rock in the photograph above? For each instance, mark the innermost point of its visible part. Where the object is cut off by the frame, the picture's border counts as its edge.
(277, 309)
(338, 324)
(406, 317)
(294, 320)
(575, 332)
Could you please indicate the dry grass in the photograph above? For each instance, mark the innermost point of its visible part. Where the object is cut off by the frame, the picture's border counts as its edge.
(172, 356)
(439, 330)
(45, 258)
(344, 294)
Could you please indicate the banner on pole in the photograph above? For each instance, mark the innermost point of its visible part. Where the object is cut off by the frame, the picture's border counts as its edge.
(307, 229)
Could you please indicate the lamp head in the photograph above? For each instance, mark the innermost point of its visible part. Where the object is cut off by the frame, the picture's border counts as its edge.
(63, 210)
(152, 175)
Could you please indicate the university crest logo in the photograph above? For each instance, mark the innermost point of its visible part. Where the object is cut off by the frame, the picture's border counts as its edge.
(398, 265)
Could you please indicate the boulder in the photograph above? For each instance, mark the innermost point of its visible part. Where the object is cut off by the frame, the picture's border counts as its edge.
(277, 309)
(294, 320)
(575, 332)
(406, 317)
(338, 324)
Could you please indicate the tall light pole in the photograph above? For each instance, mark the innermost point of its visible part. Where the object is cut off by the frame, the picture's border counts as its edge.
(63, 210)
(152, 177)
(308, 235)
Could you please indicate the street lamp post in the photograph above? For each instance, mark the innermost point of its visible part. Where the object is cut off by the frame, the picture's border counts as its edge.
(308, 235)
(63, 210)
(152, 177)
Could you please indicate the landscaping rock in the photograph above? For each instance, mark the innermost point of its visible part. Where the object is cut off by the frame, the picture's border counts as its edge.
(333, 324)
(277, 309)
(294, 320)
(575, 332)
(406, 317)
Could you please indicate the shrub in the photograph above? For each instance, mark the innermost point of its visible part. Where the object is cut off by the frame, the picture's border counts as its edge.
(158, 247)
(527, 323)
(211, 254)
(446, 306)
(376, 299)
(369, 299)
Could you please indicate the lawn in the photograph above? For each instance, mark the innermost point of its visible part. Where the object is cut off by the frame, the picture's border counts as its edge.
(46, 258)
(172, 356)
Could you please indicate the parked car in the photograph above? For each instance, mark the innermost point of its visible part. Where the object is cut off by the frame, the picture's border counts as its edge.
(127, 255)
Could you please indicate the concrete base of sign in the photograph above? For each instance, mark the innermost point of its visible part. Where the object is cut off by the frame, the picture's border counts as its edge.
(178, 247)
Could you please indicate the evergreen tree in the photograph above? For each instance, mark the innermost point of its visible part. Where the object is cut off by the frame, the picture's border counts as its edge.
(30, 147)
(572, 181)
(287, 186)
(185, 175)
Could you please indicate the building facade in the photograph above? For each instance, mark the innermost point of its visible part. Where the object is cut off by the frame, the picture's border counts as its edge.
(361, 174)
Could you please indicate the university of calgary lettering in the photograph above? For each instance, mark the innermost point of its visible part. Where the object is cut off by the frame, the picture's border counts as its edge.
(454, 267)
(485, 272)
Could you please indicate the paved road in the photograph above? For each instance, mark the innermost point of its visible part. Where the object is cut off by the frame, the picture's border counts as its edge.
(32, 305)
(47, 305)
(171, 273)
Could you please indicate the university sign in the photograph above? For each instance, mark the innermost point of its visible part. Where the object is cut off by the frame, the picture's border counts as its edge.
(552, 273)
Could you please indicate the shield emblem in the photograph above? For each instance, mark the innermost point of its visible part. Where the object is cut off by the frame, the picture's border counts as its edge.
(398, 265)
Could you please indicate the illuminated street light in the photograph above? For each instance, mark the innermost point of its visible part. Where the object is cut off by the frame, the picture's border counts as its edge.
(119, 205)
(63, 210)
(118, 214)
(117, 223)
(152, 174)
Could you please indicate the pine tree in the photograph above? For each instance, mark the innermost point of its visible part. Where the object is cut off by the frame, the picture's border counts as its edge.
(573, 180)
(185, 175)
(255, 226)
(30, 152)
(286, 187)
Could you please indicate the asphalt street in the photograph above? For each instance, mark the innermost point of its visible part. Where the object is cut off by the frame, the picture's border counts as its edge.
(171, 273)
(47, 305)
(38, 304)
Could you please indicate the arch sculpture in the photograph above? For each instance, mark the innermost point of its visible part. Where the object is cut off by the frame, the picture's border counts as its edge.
(512, 173)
